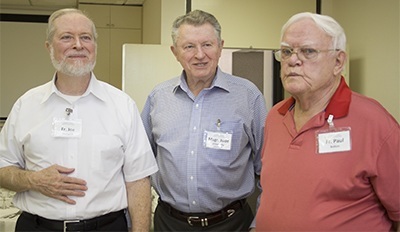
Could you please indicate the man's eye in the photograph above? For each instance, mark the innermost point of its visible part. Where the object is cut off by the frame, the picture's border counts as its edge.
(66, 37)
(286, 52)
(87, 38)
(308, 51)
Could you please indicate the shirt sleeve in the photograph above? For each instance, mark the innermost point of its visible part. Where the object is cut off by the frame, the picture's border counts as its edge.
(146, 119)
(260, 114)
(11, 152)
(139, 158)
(387, 182)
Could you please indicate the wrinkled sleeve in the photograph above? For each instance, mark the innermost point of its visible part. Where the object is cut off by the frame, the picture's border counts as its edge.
(139, 158)
(11, 150)
(387, 182)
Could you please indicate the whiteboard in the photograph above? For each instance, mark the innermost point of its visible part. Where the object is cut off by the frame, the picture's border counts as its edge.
(146, 65)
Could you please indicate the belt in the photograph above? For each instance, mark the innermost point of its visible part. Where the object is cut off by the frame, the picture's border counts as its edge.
(205, 219)
(77, 225)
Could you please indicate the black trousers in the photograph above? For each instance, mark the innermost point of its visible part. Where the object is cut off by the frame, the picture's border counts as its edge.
(240, 221)
(29, 222)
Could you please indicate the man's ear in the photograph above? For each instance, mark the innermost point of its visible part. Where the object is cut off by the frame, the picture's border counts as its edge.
(341, 59)
(47, 45)
(173, 50)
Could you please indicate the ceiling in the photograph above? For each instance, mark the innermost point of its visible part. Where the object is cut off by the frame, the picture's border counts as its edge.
(57, 4)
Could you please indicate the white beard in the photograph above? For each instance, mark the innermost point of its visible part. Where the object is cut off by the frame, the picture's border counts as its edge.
(76, 69)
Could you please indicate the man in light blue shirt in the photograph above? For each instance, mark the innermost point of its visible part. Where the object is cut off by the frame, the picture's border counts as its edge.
(206, 129)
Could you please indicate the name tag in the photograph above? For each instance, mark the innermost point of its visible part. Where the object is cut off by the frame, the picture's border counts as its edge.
(334, 141)
(218, 140)
(67, 128)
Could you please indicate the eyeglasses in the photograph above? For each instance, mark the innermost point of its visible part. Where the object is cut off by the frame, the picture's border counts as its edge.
(302, 53)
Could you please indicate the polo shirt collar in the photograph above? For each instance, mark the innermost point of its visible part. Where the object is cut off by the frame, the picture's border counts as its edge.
(338, 106)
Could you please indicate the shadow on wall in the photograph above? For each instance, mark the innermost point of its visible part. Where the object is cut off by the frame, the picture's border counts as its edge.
(356, 75)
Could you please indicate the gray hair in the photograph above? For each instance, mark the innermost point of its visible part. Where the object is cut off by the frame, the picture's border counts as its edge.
(196, 18)
(51, 29)
(326, 23)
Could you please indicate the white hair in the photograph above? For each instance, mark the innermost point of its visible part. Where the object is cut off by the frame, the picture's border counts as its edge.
(326, 23)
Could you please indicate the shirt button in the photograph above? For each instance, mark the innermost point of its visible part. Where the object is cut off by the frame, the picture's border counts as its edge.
(194, 128)
(193, 202)
(192, 152)
(197, 106)
(191, 177)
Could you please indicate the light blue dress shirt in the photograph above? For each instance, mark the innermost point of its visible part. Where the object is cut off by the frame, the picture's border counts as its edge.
(192, 177)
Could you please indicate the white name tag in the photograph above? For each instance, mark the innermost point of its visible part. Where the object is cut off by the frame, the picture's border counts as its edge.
(218, 140)
(71, 128)
(334, 141)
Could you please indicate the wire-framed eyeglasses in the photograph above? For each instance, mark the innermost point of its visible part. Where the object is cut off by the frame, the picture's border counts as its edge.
(302, 53)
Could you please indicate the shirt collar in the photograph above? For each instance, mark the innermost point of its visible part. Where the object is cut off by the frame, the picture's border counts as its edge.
(338, 106)
(219, 81)
(93, 88)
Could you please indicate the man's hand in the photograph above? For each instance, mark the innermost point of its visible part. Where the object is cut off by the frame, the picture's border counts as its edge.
(54, 182)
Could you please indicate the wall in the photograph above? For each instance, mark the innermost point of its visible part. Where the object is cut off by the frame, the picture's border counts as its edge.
(169, 11)
(152, 22)
(252, 23)
(158, 16)
(24, 61)
(373, 33)
(372, 28)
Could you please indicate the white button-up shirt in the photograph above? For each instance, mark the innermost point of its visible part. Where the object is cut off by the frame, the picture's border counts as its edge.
(111, 149)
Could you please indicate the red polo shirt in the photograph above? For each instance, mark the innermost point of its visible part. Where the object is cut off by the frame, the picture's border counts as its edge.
(304, 190)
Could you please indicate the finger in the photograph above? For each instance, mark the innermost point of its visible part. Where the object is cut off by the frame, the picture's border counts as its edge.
(72, 193)
(73, 187)
(65, 170)
(74, 180)
(65, 199)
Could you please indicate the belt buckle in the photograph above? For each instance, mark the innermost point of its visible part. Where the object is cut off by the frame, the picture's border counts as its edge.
(67, 222)
(230, 212)
(204, 221)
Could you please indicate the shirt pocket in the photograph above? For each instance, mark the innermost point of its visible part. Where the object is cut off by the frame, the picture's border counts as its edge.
(107, 153)
(232, 127)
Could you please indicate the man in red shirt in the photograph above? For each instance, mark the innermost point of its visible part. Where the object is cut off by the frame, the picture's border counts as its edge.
(330, 159)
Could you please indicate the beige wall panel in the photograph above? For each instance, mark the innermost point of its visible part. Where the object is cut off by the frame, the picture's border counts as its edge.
(119, 37)
(170, 10)
(152, 22)
(253, 23)
(373, 34)
(98, 13)
(102, 68)
(126, 17)
(24, 61)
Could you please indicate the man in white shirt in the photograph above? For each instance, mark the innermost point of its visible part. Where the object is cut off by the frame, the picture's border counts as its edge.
(74, 149)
